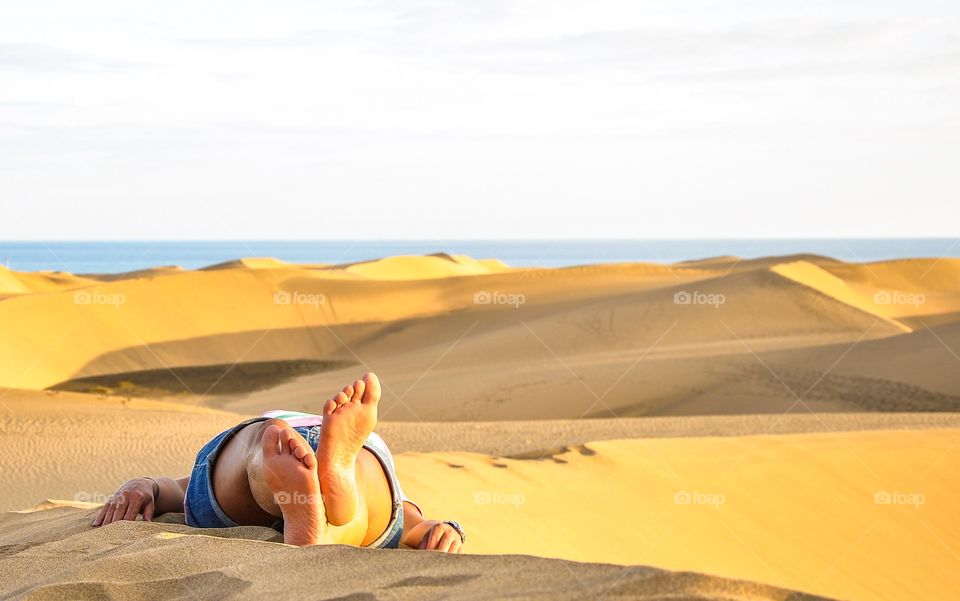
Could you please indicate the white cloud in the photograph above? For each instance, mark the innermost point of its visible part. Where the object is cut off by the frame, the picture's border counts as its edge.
(34, 58)
(535, 118)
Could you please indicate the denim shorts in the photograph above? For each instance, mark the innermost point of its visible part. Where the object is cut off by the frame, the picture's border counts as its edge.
(202, 510)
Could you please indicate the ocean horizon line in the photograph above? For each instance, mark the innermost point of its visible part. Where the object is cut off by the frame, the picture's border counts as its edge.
(115, 256)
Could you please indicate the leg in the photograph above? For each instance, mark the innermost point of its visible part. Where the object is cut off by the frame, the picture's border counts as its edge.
(348, 419)
(252, 482)
(253, 469)
(268, 471)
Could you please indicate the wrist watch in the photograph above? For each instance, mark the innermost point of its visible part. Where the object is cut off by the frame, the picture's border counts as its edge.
(456, 526)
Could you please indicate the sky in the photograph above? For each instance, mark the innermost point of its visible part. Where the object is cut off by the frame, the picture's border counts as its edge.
(400, 119)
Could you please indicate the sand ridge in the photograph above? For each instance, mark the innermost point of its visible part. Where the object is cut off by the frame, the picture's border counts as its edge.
(494, 326)
(112, 439)
(168, 560)
(746, 507)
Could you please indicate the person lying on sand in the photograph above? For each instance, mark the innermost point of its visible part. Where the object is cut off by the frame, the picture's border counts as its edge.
(317, 479)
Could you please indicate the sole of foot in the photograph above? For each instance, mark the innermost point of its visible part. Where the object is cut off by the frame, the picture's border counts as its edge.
(290, 470)
(348, 419)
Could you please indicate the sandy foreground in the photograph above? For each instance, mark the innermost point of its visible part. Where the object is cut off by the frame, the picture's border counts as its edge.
(757, 427)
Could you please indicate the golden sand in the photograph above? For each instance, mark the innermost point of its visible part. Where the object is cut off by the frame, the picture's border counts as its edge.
(865, 515)
(792, 498)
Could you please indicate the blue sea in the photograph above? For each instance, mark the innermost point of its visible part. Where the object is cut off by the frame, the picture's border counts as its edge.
(125, 256)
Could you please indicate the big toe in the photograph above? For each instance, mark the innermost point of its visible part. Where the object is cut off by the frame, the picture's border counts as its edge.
(371, 392)
(270, 442)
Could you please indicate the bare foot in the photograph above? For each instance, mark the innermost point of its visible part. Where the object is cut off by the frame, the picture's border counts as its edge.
(348, 419)
(290, 470)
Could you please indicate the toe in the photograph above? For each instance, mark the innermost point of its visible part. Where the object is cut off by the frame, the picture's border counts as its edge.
(348, 390)
(270, 442)
(341, 398)
(329, 406)
(302, 451)
(371, 394)
(297, 449)
(286, 437)
(358, 387)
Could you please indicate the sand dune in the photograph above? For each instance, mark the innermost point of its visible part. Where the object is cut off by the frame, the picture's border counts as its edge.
(638, 354)
(440, 265)
(775, 396)
(79, 447)
(14, 282)
(893, 289)
(844, 516)
(112, 439)
(150, 561)
(250, 263)
(831, 286)
(835, 513)
(462, 338)
(110, 318)
(925, 359)
(136, 274)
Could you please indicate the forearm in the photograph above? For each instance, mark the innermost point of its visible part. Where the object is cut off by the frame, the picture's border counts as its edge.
(169, 493)
(430, 535)
(414, 526)
(413, 536)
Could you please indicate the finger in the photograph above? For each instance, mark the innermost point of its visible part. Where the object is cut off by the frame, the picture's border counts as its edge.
(119, 510)
(97, 519)
(435, 535)
(133, 510)
(148, 510)
(108, 516)
(108, 506)
(440, 542)
(457, 546)
(424, 539)
(447, 541)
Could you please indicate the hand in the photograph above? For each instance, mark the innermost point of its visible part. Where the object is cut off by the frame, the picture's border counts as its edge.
(441, 537)
(135, 497)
